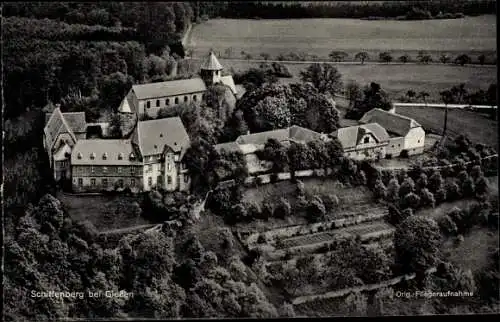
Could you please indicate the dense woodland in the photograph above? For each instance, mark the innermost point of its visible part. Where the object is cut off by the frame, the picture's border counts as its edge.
(408, 10)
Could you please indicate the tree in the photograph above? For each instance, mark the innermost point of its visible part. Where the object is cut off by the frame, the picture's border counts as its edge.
(411, 94)
(353, 92)
(228, 52)
(115, 126)
(393, 190)
(374, 97)
(337, 56)
(481, 58)
(362, 56)
(248, 56)
(447, 98)
(427, 198)
(283, 209)
(423, 57)
(316, 211)
(324, 77)
(407, 186)
(114, 88)
(410, 200)
(462, 60)
(265, 56)
(424, 96)
(273, 113)
(404, 58)
(385, 57)
(417, 240)
(444, 58)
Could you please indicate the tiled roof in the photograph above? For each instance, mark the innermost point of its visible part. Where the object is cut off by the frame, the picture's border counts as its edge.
(228, 147)
(350, 136)
(211, 63)
(76, 121)
(295, 133)
(392, 122)
(229, 82)
(112, 149)
(152, 136)
(56, 124)
(169, 88)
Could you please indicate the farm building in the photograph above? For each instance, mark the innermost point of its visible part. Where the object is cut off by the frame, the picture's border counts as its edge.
(405, 134)
(363, 142)
(149, 99)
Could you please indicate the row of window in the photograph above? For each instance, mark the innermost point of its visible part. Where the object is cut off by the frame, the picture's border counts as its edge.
(176, 101)
(118, 170)
(104, 182)
(159, 179)
(105, 156)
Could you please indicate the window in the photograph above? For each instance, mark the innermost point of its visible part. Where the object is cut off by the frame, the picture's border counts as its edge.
(120, 156)
(79, 156)
(150, 181)
(202, 96)
(393, 145)
(105, 182)
(183, 166)
(399, 145)
(169, 179)
(366, 140)
(167, 102)
(185, 98)
(186, 179)
(176, 100)
(132, 182)
(148, 104)
(159, 180)
(216, 73)
(105, 156)
(104, 169)
(158, 157)
(92, 181)
(132, 170)
(119, 169)
(80, 181)
(194, 98)
(150, 168)
(92, 170)
(131, 156)
(169, 166)
(157, 103)
(120, 183)
(418, 141)
(92, 156)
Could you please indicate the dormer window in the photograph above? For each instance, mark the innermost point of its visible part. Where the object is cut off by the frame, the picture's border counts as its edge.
(194, 98)
(79, 156)
(167, 102)
(148, 104)
(176, 100)
(120, 156)
(105, 156)
(185, 98)
(92, 156)
(367, 140)
(161, 135)
(157, 103)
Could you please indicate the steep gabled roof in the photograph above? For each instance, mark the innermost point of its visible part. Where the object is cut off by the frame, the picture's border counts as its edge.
(169, 88)
(350, 136)
(211, 63)
(76, 121)
(126, 106)
(55, 125)
(153, 135)
(98, 147)
(229, 82)
(392, 122)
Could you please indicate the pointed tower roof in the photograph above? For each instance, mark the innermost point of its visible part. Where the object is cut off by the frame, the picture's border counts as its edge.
(211, 63)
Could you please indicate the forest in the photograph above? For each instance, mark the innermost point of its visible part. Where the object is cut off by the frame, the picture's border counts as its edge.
(407, 10)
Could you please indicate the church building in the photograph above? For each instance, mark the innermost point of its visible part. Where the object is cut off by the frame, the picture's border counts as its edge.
(149, 99)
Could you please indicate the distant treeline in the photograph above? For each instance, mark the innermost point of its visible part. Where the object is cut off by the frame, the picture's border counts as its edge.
(412, 10)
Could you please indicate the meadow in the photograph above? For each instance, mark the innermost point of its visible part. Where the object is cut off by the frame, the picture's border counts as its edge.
(321, 36)
(478, 127)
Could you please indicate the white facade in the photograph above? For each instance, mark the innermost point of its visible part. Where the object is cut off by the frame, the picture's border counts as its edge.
(414, 141)
(151, 107)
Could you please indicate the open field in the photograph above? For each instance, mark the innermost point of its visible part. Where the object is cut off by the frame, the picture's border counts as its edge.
(396, 79)
(105, 212)
(479, 128)
(321, 36)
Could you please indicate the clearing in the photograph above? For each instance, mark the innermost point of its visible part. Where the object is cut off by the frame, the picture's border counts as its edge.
(105, 212)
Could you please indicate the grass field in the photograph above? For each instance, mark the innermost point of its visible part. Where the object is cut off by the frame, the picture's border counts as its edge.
(479, 128)
(105, 212)
(321, 36)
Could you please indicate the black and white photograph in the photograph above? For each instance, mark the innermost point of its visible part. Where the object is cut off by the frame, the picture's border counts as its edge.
(249, 160)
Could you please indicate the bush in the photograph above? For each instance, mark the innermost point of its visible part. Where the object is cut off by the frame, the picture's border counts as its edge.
(427, 198)
(330, 201)
(379, 190)
(261, 239)
(316, 211)
(411, 200)
(300, 189)
(452, 191)
(283, 209)
(447, 226)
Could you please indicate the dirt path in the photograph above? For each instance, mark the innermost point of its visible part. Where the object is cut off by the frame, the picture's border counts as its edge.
(127, 229)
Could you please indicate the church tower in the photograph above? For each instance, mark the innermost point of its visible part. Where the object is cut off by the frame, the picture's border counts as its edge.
(211, 70)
